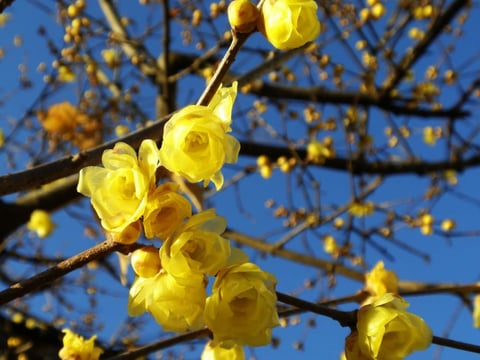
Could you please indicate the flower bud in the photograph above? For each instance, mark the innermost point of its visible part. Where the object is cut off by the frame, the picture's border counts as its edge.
(146, 261)
(243, 16)
(289, 24)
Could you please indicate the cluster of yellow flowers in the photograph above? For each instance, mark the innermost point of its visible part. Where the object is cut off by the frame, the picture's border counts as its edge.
(171, 281)
(385, 329)
(287, 24)
(64, 121)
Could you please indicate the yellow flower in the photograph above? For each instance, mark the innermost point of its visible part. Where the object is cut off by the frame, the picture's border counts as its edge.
(4, 18)
(41, 223)
(243, 15)
(146, 261)
(197, 247)
(76, 347)
(195, 141)
(476, 311)
(289, 24)
(387, 331)
(361, 209)
(111, 57)
(352, 349)
(129, 234)
(119, 190)
(380, 281)
(214, 351)
(242, 309)
(165, 211)
(175, 307)
(66, 74)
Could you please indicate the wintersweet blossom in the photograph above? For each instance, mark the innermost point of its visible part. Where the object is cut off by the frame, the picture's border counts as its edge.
(175, 307)
(119, 190)
(386, 331)
(289, 24)
(243, 15)
(196, 247)
(76, 347)
(380, 281)
(146, 261)
(195, 140)
(242, 307)
(165, 211)
(41, 223)
(214, 351)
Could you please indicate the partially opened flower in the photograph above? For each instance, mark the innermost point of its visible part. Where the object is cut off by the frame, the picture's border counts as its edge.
(76, 347)
(165, 211)
(386, 330)
(175, 307)
(242, 307)
(289, 24)
(119, 190)
(197, 247)
(195, 140)
(214, 351)
(41, 223)
(380, 281)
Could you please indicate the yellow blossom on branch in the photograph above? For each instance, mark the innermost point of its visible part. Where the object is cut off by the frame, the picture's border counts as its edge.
(361, 209)
(242, 307)
(289, 24)
(386, 330)
(174, 306)
(165, 211)
(196, 247)
(380, 281)
(195, 140)
(41, 223)
(214, 351)
(146, 261)
(243, 15)
(76, 347)
(119, 190)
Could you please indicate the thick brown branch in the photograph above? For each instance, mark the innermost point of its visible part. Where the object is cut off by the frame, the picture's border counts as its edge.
(323, 95)
(69, 165)
(4, 4)
(48, 276)
(360, 166)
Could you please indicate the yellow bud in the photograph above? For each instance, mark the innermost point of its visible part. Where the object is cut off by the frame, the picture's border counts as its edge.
(263, 160)
(72, 10)
(448, 225)
(146, 261)
(377, 11)
(128, 235)
(243, 16)
(266, 172)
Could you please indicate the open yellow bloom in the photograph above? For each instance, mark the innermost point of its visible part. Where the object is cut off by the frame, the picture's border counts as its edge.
(380, 281)
(216, 352)
(165, 211)
(119, 190)
(242, 307)
(195, 141)
(386, 331)
(175, 307)
(41, 223)
(197, 247)
(289, 24)
(76, 347)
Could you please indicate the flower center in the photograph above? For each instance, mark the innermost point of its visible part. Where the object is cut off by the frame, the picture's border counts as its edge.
(196, 141)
